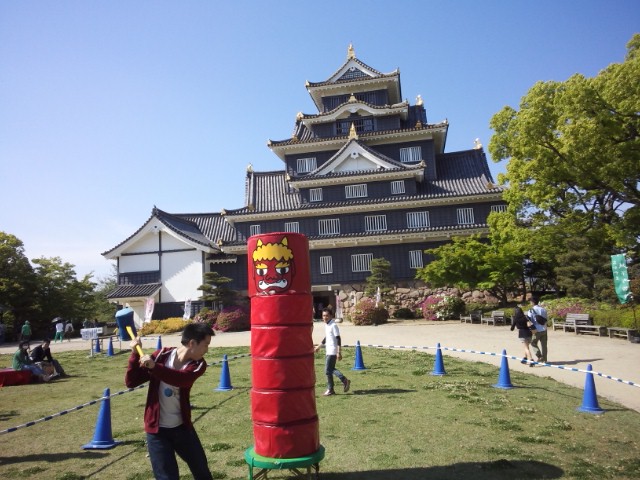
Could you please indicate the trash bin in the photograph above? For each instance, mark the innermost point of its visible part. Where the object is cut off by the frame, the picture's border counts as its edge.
(124, 319)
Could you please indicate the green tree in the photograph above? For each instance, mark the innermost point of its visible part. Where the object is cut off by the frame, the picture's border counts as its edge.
(17, 281)
(573, 153)
(104, 311)
(216, 291)
(380, 277)
(59, 293)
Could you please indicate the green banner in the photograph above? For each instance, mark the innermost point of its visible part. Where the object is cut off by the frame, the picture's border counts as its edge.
(620, 277)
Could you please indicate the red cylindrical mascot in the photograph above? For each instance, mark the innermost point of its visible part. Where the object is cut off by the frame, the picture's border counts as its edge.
(283, 404)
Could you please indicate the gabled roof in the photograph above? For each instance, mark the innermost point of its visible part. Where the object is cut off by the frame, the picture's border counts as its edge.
(356, 157)
(354, 106)
(199, 230)
(353, 72)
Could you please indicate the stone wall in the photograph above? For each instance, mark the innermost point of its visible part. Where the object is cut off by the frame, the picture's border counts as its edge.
(410, 296)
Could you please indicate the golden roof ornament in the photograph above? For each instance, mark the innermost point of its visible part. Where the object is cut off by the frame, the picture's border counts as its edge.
(249, 168)
(476, 144)
(352, 98)
(351, 53)
(419, 101)
(352, 132)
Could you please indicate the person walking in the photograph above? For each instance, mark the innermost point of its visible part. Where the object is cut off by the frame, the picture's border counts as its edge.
(519, 320)
(68, 330)
(25, 332)
(333, 347)
(59, 331)
(538, 317)
(171, 372)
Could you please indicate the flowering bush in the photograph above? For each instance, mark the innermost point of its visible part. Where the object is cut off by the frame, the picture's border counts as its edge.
(206, 316)
(442, 307)
(366, 313)
(169, 325)
(233, 319)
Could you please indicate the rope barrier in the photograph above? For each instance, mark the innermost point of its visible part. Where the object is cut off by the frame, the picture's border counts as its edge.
(388, 347)
(96, 401)
(493, 354)
(69, 410)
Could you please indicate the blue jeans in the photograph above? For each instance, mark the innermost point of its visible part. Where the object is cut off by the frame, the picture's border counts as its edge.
(331, 370)
(35, 370)
(184, 441)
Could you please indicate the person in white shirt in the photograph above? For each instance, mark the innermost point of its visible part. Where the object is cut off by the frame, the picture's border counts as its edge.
(333, 346)
(538, 317)
(59, 331)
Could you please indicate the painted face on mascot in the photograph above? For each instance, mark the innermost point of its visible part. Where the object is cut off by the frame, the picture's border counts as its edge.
(273, 267)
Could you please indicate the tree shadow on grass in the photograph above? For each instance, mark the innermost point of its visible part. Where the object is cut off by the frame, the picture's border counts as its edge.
(382, 391)
(498, 470)
(51, 457)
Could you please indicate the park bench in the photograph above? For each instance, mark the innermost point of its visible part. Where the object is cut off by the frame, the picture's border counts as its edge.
(473, 317)
(619, 332)
(497, 317)
(582, 323)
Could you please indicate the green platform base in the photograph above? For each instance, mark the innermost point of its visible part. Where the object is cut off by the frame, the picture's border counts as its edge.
(311, 463)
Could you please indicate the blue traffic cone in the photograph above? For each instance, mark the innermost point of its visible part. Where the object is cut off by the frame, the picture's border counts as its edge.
(358, 364)
(102, 437)
(97, 349)
(504, 380)
(225, 378)
(438, 366)
(589, 399)
(159, 344)
(110, 348)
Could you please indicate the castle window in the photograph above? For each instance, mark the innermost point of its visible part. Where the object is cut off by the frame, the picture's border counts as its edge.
(410, 154)
(415, 259)
(361, 262)
(355, 191)
(326, 265)
(293, 227)
(315, 194)
(498, 208)
(306, 165)
(397, 187)
(330, 226)
(254, 230)
(465, 216)
(418, 219)
(375, 223)
(363, 124)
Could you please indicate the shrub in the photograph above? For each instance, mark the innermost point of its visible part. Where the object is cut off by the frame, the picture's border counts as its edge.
(404, 313)
(206, 316)
(442, 307)
(233, 319)
(169, 325)
(366, 313)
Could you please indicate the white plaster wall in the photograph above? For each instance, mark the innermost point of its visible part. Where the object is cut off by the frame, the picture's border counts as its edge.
(181, 275)
(148, 243)
(169, 242)
(139, 263)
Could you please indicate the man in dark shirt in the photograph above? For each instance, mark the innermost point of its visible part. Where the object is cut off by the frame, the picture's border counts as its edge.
(42, 353)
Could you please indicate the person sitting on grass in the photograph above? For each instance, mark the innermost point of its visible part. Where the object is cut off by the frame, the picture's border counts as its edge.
(41, 356)
(21, 361)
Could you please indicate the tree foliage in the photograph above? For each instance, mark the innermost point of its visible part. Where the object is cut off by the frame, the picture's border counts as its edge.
(573, 152)
(216, 291)
(380, 277)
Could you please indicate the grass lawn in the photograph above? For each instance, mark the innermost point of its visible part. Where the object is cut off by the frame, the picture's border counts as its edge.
(399, 422)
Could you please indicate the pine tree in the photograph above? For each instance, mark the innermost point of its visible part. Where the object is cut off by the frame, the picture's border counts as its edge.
(216, 291)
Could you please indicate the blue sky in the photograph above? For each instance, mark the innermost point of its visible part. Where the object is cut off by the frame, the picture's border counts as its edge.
(110, 108)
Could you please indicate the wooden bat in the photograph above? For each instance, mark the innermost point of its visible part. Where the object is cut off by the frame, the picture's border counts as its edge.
(130, 332)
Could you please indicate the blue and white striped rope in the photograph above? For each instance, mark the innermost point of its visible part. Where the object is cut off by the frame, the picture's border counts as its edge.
(69, 410)
(493, 354)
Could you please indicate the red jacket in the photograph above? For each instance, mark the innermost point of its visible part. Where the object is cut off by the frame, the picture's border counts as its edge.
(183, 379)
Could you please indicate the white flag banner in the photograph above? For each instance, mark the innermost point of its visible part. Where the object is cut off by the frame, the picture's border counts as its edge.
(148, 309)
(378, 297)
(187, 309)
(338, 307)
